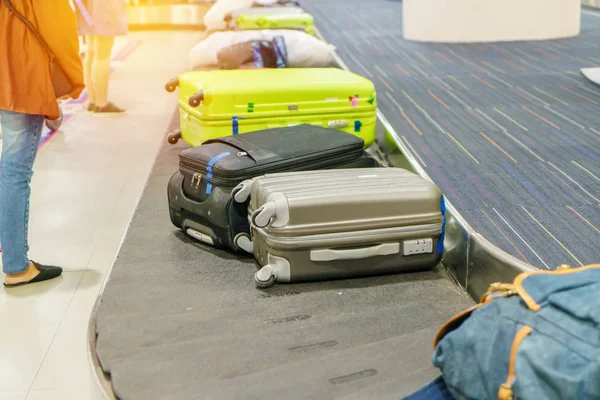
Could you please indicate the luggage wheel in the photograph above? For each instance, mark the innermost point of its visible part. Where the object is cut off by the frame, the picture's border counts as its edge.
(241, 192)
(244, 242)
(265, 278)
(262, 217)
(172, 85)
(196, 98)
(277, 269)
(174, 137)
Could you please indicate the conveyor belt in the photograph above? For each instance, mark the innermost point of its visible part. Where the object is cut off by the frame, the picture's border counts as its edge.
(509, 131)
(180, 320)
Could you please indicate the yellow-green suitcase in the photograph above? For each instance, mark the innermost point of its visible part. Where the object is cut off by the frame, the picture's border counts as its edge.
(220, 103)
(271, 18)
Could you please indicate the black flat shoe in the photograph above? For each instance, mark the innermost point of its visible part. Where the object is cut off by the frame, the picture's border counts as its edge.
(46, 272)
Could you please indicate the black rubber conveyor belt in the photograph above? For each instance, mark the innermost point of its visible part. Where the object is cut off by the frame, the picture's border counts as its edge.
(180, 320)
(509, 131)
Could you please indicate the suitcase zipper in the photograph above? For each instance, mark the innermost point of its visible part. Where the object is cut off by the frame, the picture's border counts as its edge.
(197, 178)
(299, 239)
(189, 167)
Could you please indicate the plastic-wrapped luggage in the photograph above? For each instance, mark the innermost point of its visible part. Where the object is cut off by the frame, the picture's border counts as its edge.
(270, 18)
(344, 223)
(275, 3)
(254, 54)
(219, 103)
(303, 50)
(200, 200)
(214, 19)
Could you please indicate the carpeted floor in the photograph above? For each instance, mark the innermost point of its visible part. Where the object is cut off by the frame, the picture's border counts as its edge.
(509, 131)
(180, 320)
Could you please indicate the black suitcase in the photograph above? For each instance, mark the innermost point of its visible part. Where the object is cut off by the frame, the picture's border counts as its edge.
(199, 194)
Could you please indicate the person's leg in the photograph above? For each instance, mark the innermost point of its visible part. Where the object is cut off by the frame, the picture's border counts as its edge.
(21, 138)
(88, 63)
(101, 73)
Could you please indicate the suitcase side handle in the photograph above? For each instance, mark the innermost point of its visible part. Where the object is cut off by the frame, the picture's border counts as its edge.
(383, 249)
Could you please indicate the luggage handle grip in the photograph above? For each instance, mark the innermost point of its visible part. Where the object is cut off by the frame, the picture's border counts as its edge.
(383, 249)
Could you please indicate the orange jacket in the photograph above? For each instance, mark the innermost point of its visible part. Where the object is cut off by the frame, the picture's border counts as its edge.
(25, 82)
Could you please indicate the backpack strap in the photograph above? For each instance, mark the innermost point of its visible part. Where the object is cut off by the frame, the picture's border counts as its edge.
(498, 289)
(505, 392)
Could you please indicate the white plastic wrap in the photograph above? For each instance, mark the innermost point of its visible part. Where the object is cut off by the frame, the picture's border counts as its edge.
(266, 3)
(304, 50)
(214, 18)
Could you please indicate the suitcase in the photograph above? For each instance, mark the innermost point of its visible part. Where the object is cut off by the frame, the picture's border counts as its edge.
(344, 223)
(220, 103)
(200, 194)
(271, 18)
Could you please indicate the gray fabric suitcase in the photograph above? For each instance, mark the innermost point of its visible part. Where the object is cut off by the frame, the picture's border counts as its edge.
(345, 223)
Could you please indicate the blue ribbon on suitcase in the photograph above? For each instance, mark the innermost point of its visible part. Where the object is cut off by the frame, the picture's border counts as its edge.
(440, 245)
(235, 123)
(209, 171)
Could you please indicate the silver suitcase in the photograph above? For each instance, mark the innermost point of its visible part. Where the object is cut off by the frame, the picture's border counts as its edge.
(335, 224)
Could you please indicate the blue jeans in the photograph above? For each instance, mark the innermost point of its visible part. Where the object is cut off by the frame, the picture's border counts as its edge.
(21, 134)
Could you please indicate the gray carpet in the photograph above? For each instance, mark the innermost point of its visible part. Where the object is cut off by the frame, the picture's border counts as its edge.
(509, 131)
(180, 320)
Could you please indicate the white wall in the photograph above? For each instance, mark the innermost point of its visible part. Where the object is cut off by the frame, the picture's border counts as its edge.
(490, 20)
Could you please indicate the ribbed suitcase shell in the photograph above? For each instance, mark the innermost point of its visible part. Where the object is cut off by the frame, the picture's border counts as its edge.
(311, 215)
(272, 98)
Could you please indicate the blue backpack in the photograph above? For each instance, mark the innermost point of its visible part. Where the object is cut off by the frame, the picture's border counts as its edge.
(537, 338)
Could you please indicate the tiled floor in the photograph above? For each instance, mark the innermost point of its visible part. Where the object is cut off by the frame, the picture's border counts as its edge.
(88, 178)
